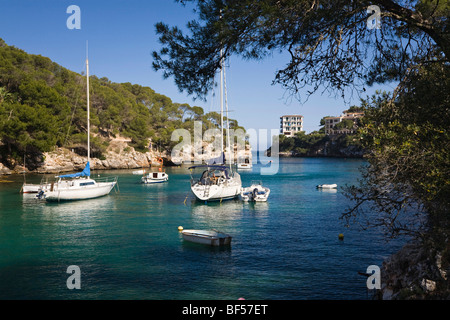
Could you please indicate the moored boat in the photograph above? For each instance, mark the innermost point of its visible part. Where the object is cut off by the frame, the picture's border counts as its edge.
(78, 186)
(256, 192)
(327, 186)
(155, 177)
(215, 183)
(207, 237)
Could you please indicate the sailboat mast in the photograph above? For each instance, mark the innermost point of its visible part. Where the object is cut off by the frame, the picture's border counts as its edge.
(230, 158)
(88, 116)
(221, 102)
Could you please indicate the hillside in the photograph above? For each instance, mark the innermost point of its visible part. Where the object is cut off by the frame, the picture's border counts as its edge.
(43, 109)
(318, 144)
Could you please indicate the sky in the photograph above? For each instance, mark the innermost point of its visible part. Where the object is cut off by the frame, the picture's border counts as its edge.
(121, 37)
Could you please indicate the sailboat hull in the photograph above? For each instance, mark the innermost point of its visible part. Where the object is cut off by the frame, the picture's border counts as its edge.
(216, 192)
(62, 193)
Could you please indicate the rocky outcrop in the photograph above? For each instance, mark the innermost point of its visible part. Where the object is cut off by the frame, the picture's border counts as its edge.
(63, 160)
(415, 272)
(4, 170)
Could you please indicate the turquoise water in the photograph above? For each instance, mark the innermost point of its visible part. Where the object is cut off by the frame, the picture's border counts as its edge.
(127, 244)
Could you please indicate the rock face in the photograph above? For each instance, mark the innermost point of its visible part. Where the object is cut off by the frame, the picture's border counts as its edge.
(63, 160)
(119, 155)
(415, 272)
(4, 170)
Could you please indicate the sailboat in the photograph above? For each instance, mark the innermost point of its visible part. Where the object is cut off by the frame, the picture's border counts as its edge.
(217, 181)
(79, 186)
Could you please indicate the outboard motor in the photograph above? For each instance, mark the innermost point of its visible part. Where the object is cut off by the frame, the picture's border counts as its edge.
(255, 193)
(40, 194)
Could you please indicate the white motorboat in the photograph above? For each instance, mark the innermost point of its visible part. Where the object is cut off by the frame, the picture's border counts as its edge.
(207, 237)
(327, 186)
(139, 172)
(256, 192)
(215, 183)
(78, 186)
(246, 164)
(155, 177)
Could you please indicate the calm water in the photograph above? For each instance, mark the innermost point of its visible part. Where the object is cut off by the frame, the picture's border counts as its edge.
(127, 244)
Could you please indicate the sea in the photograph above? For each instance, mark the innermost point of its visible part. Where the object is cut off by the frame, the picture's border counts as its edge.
(127, 245)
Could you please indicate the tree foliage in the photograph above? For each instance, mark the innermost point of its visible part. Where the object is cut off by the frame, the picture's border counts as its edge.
(407, 181)
(328, 43)
(43, 105)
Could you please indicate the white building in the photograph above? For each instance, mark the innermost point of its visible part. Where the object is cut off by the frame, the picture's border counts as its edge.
(330, 123)
(291, 124)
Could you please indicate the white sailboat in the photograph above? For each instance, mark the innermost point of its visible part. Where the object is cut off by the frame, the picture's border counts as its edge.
(217, 181)
(79, 186)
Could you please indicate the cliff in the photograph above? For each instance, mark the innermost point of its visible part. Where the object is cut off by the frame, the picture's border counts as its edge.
(415, 272)
(119, 155)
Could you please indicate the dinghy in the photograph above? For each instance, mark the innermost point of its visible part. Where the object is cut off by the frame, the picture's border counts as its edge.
(327, 186)
(207, 237)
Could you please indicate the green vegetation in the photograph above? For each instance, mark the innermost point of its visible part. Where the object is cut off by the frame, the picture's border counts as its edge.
(317, 143)
(43, 105)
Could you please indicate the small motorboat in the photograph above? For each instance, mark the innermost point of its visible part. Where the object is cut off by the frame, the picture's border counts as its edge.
(155, 177)
(327, 186)
(208, 237)
(139, 172)
(245, 165)
(256, 192)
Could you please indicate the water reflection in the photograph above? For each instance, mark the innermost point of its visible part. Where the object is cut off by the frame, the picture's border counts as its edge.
(230, 210)
(327, 190)
(105, 203)
(68, 208)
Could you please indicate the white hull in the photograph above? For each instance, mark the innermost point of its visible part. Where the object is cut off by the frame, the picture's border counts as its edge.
(228, 189)
(212, 238)
(244, 166)
(327, 186)
(63, 191)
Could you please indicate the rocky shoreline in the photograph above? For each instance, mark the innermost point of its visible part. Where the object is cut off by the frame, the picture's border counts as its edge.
(118, 156)
(415, 272)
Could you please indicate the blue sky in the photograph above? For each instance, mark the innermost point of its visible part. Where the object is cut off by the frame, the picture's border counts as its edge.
(121, 36)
